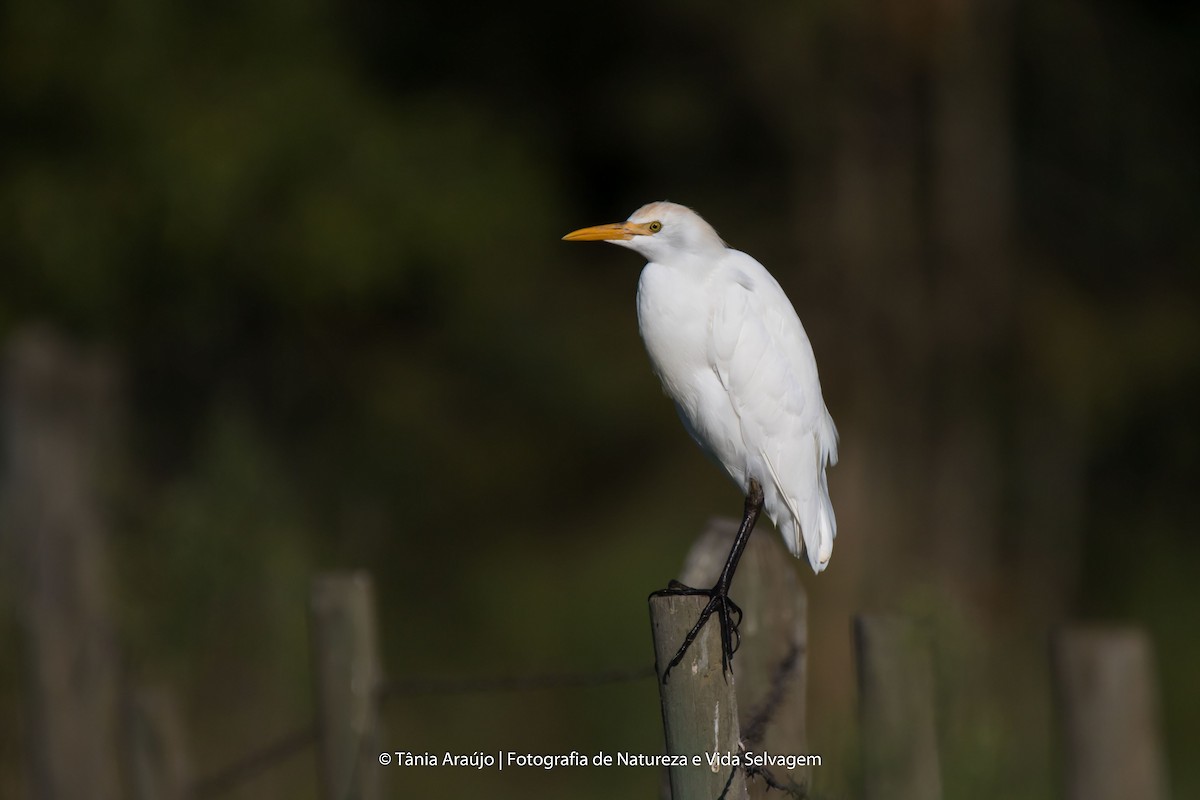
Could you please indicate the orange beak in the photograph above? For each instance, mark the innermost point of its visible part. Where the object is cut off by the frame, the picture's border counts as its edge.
(608, 233)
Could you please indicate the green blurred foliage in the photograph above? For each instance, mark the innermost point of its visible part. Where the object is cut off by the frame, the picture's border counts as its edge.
(323, 240)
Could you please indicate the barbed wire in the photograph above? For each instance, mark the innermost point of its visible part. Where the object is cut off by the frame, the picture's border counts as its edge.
(259, 761)
(514, 683)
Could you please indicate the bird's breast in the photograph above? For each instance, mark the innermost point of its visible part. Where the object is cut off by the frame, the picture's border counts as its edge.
(675, 312)
(673, 317)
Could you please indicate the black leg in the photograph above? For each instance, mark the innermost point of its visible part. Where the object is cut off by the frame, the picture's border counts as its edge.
(718, 595)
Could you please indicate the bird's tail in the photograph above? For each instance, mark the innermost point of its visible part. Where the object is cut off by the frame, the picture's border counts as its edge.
(826, 528)
(826, 525)
(813, 523)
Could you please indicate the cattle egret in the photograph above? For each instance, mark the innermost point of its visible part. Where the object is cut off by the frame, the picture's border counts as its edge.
(730, 351)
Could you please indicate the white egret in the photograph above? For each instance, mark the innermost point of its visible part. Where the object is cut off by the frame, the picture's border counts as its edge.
(730, 351)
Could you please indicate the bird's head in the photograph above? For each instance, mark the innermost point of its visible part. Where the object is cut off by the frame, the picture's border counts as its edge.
(661, 232)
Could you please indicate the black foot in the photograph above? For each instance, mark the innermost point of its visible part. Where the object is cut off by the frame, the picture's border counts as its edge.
(718, 601)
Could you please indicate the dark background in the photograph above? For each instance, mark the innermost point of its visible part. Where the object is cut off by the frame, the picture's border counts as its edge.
(323, 242)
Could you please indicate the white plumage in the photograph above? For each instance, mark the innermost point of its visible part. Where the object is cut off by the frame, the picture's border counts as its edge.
(731, 352)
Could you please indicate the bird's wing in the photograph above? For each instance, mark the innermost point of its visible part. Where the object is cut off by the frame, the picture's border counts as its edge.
(763, 358)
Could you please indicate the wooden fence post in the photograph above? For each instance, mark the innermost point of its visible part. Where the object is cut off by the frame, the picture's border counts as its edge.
(59, 417)
(895, 680)
(771, 664)
(348, 676)
(1107, 699)
(699, 707)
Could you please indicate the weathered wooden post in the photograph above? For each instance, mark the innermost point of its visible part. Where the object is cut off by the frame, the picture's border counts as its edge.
(348, 677)
(760, 707)
(59, 414)
(699, 706)
(1108, 706)
(771, 664)
(895, 681)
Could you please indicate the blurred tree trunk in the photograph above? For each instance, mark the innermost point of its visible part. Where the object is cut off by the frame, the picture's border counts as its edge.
(915, 215)
(970, 222)
(986, 530)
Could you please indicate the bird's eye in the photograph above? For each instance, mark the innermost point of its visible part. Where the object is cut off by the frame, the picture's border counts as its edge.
(654, 227)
